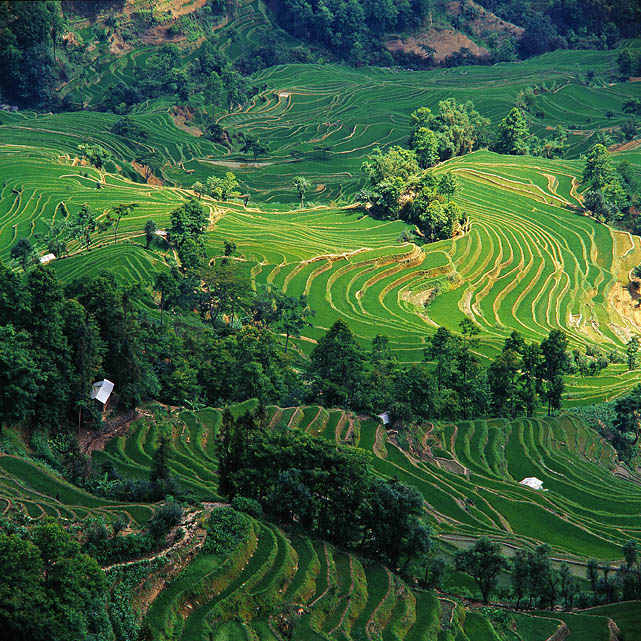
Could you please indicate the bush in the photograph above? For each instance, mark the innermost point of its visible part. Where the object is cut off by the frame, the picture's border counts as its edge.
(168, 515)
(249, 506)
(226, 528)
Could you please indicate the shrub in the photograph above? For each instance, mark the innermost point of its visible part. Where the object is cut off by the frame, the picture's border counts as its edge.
(225, 529)
(249, 506)
(168, 515)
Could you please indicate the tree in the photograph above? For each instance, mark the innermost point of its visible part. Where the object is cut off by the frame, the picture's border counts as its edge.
(336, 368)
(254, 146)
(150, 232)
(20, 377)
(130, 129)
(568, 587)
(167, 284)
(632, 352)
(199, 189)
(117, 214)
(512, 134)
(628, 422)
(598, 170)
(391, 520)
(483, 562)
(425, 143)
(189, 221)
(502, 378)
(395, 163)
(159, 471)
(555, 362)
(225, 292)
(302, 185)
(592, 573)
(448, 184)
(49, 589)
(442, 347)
(94, 154)
(22, 252)
(294, 313)
(519, 576)
(458, 129)
(222, 188)
(150, 160)
(84, 224)
(57, 236)
(214, 89)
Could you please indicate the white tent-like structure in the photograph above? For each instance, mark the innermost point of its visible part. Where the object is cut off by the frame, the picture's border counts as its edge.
(533, 482)
(102, 391)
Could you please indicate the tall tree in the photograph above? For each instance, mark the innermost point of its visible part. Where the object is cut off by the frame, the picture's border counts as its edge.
(23, 253)
(254, 146)
(117, 214)
(512, 134)
(483, 562)
(150, 232)
(20, 377)
(84, 224)
(294, 314)
(632, 352)
(302, 185)
(336, 368)
(555, 362)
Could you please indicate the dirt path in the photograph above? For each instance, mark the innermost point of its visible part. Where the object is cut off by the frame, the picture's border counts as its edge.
(89, 441)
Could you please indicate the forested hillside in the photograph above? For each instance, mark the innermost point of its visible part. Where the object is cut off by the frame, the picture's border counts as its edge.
(320, 320)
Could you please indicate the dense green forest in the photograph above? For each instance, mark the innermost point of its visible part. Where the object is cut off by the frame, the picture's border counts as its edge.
(360, 283)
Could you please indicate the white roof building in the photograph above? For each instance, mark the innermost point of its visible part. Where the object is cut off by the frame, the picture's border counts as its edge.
(102, 391)
(385, 418)
(47, 258)
(533, 482)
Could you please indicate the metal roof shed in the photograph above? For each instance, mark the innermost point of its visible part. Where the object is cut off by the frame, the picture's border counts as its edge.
(102, 391)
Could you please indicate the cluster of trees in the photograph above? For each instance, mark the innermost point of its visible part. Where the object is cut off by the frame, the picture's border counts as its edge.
(330, 491)
(108, 545)
(605, 196)
(451, 382)
(454, 130)
(66, 337)
(400, 190)
(563, 24)
(28, 38)
(65, 227)
(210, 72)
(629, 62)
(218, 188)
(534, 578)
(49, 588)
(353, 29)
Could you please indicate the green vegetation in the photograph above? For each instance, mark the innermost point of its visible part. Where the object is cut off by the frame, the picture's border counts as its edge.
(263, 250)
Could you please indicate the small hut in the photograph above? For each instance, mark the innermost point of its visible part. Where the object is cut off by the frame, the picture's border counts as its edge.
(101, 392)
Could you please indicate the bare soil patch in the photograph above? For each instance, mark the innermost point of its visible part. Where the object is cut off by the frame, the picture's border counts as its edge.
(626, 146)
(443, 41)
(181, 116)
(142, 170)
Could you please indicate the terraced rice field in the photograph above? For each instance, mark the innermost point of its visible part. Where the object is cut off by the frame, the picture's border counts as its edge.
(32, 489)
(530, 261)
(302, 107)
(469, 477)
